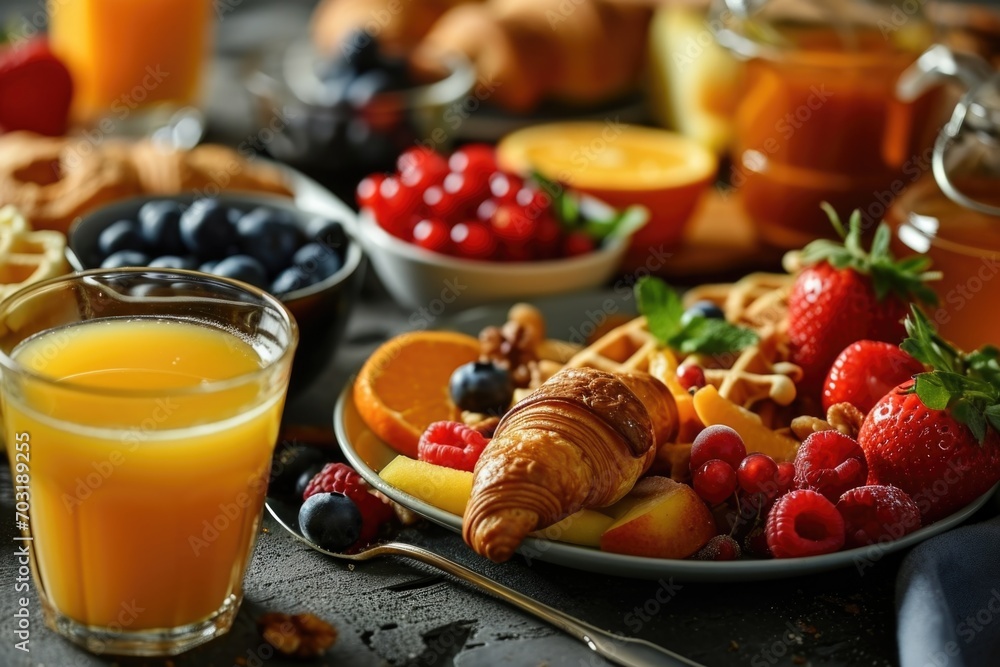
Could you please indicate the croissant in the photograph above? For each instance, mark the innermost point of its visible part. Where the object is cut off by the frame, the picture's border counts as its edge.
(581, 440)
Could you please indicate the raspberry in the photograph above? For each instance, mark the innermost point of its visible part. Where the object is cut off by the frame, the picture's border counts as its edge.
(831, 463)
(341, 478)
(451, 444)
(877, 513)
(804, 523)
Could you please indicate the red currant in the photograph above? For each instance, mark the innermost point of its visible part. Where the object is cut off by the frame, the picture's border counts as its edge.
(512, 225)
(473, 240)
(432, 234)
(757, 474)
(533, 201)
(577, 243)
(714, 481)
(475, 159)
(486, 210)
(399, 204)
(505, 187)
(717, 442)
(691, 376)
(548, 235)
(785, 478)
(465, 191)
(367, 192)
(419, 168)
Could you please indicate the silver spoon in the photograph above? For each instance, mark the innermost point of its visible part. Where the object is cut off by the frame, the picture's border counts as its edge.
(618, 649)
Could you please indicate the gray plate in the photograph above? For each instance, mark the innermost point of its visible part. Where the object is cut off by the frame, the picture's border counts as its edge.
(368, 454)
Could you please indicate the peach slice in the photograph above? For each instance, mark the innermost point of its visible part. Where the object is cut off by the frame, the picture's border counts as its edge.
(659, 518)
(714, 409)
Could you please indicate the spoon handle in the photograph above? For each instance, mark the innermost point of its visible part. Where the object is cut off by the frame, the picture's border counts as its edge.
(618, 649)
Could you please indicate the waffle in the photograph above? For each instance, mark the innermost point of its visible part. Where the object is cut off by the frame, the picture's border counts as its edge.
(623, 349)
(26, 256)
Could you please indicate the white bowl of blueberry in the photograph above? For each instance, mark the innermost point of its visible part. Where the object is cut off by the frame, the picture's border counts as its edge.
(308, 261)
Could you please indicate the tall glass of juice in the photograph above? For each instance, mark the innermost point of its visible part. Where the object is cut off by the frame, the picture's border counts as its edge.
(127, 57)
(141, 409)
(818, 119)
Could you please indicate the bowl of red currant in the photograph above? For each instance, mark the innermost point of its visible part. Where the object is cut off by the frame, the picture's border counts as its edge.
(445, 232)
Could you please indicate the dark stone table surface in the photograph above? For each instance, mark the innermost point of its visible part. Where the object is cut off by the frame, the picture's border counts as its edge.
(394, 612)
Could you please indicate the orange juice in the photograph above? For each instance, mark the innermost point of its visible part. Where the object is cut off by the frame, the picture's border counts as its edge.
(129, 54)
(965, 246)
(823, 124)
(144, 505)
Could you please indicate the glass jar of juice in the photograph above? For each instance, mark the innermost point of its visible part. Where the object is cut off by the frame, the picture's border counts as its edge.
(126, 55)
(953, 214)
(818, 119)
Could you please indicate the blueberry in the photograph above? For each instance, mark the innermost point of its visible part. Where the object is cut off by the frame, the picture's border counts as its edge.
(174, 262)
(160, 224)
(270, 236)
(289, 280)
(480, 386)
(121, 235)
(329, 233)
(209, 266)
(316, 261)
(123, 258)
(242, 267)
(398, 71)
(234, 215)
(290, 463)
(206, 230)
(305, 477)
(330, 520)
(705, 309)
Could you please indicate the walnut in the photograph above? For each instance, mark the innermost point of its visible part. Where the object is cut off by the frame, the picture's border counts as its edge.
(512, 347)
(845, 418)
(297, 635)
(842, 417)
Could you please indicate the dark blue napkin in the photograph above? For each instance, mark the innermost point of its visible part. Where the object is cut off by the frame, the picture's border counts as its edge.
(948, 599)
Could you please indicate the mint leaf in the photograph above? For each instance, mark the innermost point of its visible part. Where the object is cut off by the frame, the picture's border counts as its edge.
(664, 311)
(711, 336)
(661, 305)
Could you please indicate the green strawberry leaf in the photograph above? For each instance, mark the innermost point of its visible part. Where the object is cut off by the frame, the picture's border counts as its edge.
(967, 413)
(664, 311)
(932, 391)
(967, 385)
(992, 414)
(903, 278)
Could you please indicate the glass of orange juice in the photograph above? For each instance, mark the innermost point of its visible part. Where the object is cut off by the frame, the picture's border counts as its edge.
(818, 119)
(127, 56)
(140, 410)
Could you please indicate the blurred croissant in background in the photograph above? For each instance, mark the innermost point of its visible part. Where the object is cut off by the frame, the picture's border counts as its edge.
(528, 51)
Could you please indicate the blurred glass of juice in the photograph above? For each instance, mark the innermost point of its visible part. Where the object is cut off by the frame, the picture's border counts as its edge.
(126, 55)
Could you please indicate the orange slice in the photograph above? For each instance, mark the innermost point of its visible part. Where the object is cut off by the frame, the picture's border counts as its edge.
(403, 386)
(621, 165)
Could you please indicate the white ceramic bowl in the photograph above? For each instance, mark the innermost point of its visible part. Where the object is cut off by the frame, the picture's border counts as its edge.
(420, 279)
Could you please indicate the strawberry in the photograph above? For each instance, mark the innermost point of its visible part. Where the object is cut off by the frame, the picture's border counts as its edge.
(937, 437)
(35, 89)
(865, 372)
(845, 294)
